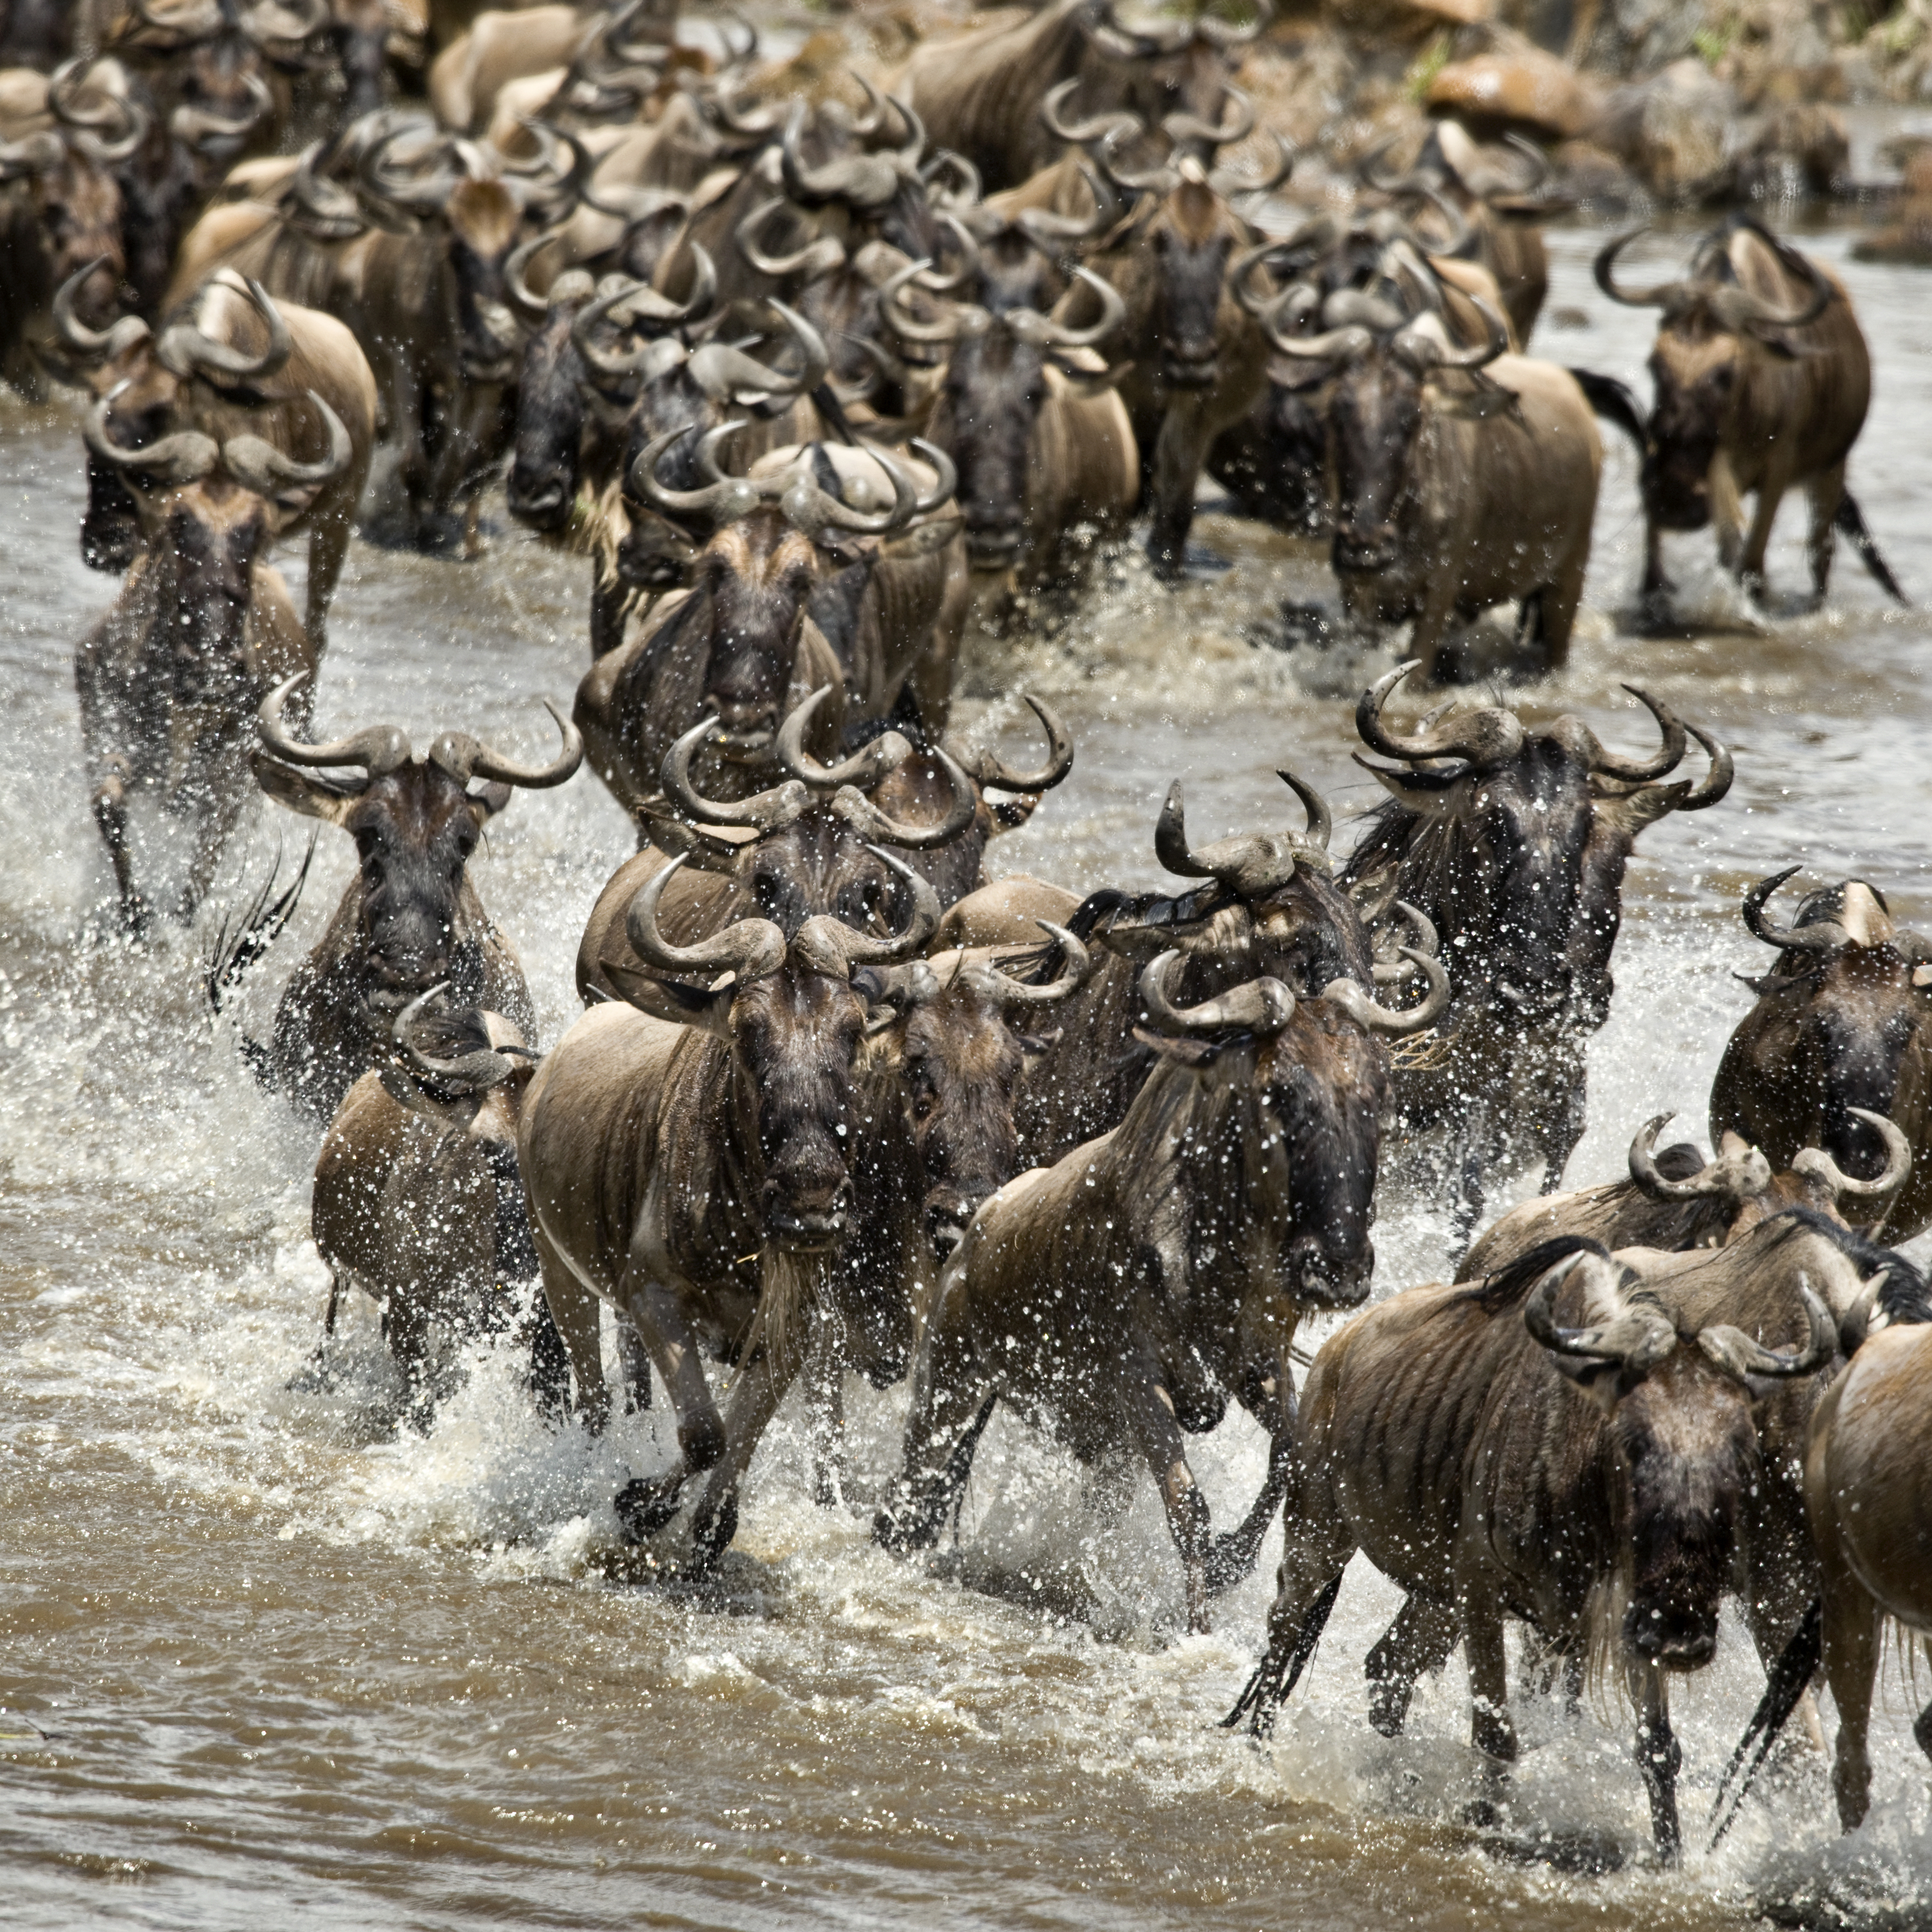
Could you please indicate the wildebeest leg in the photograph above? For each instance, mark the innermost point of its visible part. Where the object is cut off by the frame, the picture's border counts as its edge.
(636, 1360)
(1824, 494)
(610, 601)
(218, 801)
(1556, 603)
(1851, 1662)
(328, 547)
(574, 1309)
(1658, 1757)
(951, 1400)
(1419, 1641)
(110, 815)
(1179, 451)
(1149, 1410)
(1432, 622)
(548, 1376)
(646, 1506)
(405, 1333)
(1727, 511)
(1490, 1730)
(825, 1404)
(1750, 564)
(1653, 593)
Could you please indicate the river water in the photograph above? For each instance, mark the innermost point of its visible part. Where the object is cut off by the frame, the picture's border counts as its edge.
(263, 1660)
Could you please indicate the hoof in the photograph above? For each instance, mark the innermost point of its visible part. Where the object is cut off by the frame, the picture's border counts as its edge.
(713, 1537)
(644, 1508)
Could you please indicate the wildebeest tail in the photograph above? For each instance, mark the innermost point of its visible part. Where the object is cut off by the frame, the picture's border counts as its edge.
(1902, 1297)
(1797, 1664)
(1850, 520)
(1615, 403)
(237, 946)
(1278, 1672)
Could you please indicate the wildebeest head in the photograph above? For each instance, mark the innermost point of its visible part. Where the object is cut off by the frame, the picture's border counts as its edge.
(1155, 69)
(217, 70)
(360, 30)
(776, 533)
(792, 1015)
(1006, 351)
(416, 821)
(37, 33)
(211, 509)
(1677, 1410)
(1746, 297)
(66, 223)
(1307, 1080)
(869, 172)
(147, 382)
(1517, 849)
(1841, 1026)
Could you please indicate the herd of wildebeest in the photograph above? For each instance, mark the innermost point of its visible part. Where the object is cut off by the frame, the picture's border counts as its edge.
(809, 382)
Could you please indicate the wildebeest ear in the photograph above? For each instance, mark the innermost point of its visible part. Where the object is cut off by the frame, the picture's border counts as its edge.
(1597, 1380)
(304, 791)
(1032, 1043)
(1415, 791)
(1645, 806)
(924, 541)
(488, 800)
(1185, 1052)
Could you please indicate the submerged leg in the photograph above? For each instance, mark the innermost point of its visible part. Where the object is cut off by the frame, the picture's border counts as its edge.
(1419, 1641)
(1156, 1433)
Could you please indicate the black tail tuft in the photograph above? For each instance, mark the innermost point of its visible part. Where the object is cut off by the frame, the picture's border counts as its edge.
(1278, 1672)
(1615, 403)
(1797, 1664)
(1851, 524)
(238, 946)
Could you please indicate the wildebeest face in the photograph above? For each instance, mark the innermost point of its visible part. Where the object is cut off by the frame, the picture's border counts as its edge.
(818, 865)
(360, 30)
(550, 424)
(755, 576)
(1376, 413)
(1695, 377)
(1684, 1435)
(415, 829)
(482, 227)
(77, 207)
(222, 92)
(145, 396)
(995, 388)
(795, 1037)
(1191, 242)
(213, 530)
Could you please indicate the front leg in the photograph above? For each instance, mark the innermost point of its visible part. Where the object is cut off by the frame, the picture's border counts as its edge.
(1490, 1730)
(646, 1506)
(825, 1404)
(1149, 1410)
(1418, 1642)
(1658, 1757)
(1179, 451)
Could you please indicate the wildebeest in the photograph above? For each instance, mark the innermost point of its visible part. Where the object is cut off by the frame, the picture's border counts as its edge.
(1042, 441)
(1121, 1296)
(1677, 1199)
(1762, 379)
(202, 627)
(1866, 1476)
(60, 226)
(702, 1178)
(979, 93)
(1571, 1441)
(410, 920)
(1516, 851)
(418, 1202)
(230, 358)
(1458, 478)
(36, 33)
(798, 588)
(1840, 1025)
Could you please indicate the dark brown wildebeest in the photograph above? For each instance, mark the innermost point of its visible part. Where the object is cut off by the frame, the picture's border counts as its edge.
(60, 227)
(1677, 1199)
(1199, 359)
(1540, 1445)
(980, 93)
(1458, 478)
(1843, 1023)
(701, 1178)
(1762, 379)
(36, 33)
(418, 1202)
(1119, 1296)
(408, 920)
(1516, 851)
(1027, 411)
(202, 629)
(231, 360)
(796, 589)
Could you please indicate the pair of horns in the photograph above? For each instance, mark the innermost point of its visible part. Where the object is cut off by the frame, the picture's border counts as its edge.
(644, 307)
(1149, 40)
(1821, 938)
(865, 182)
(1637, 1334)
(254, 463)
(1743, 1177)
(1359, 321)
(1252, 864)
(919, 981)
(808, 781)
(474, 1071)
(380, 749)
(753, 948)
(196, 126)
(1735, 308)
(1027, 325)
(88, 126)
(1183, 166)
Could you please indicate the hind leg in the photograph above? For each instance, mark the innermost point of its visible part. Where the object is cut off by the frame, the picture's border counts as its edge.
(1823, 494)
(1557, 603)
(1418, 1643)
(1851, 1641)
(573, 1310)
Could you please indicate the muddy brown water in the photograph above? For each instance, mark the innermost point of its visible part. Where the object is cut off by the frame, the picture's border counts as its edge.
(264, 1660)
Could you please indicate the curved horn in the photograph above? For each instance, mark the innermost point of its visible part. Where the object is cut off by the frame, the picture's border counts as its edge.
(1741, 1178)
(1156, 180)
(726, 498)
(533, 308)
(811, 509)
(1042, 332)
(862, 770)
(285, 23)
(1263, 1005)
(32, 156)
(1823, 937)
(873, 822)
(475, 1072)
(1076, 967)
(822, 934)
(865, 181)
(1715, 782)
(751, 948)
(379, 749)
(727, 374)
(989, 769)
(1487, 737)
(1636, 1338)
(1320, 822)
(1222, 34)
(179, 458)
(186, 352)
(1739, 308)
(1332, 345)
(1816, 1165)
(1226, 182)
(258, 465)
(1424, 350)
(822, 255)
(963, 320)
(1667, 757)
(1368, 1013)
(86, 345)
(1237, 123)
(1660, 295)
(191, 126)
(778, 805)
(464, 757)
(648, 306)
(1740, 1355)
